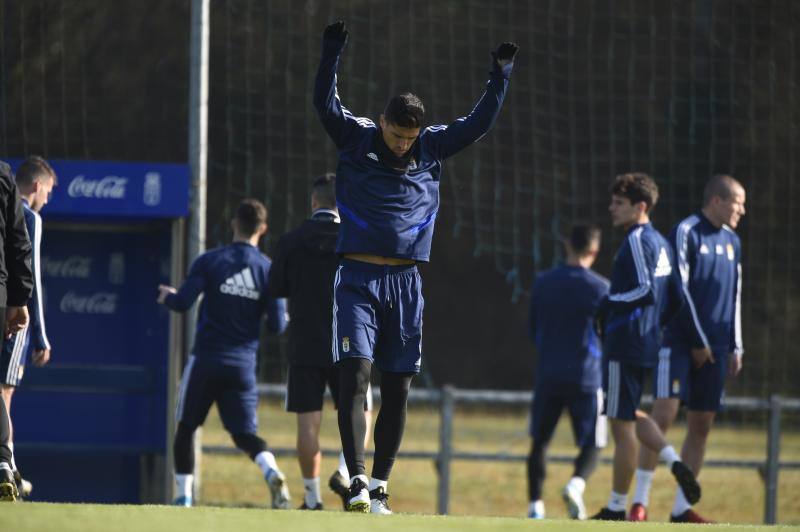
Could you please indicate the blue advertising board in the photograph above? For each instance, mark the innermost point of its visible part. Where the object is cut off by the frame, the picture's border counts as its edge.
(118, 189)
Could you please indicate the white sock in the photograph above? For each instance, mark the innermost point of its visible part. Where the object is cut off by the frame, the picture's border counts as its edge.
(536, 508)
(313, 496)
(681, 504)
(618, 501)
(343, 466)
(577, 484)
(363, 478)
(376, 483)
(184, 484)
(266, 462)
(644, 479)
(13, 458)
(669, 455)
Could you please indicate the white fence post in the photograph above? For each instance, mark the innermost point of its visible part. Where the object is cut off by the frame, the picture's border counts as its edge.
(447, 407)
(773, 461)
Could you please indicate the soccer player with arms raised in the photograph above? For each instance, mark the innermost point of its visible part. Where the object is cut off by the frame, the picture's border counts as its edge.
(387, 189)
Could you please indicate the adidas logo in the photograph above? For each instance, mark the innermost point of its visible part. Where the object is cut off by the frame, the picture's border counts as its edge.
(372, 156)
(663, 268)
(241, 285)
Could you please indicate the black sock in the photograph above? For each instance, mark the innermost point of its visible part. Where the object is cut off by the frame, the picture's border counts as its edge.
(353, 383)
(537, 470)
(5, 432)
(391, 422)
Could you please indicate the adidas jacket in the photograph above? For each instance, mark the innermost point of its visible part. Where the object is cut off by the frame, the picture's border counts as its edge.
(233, 281)
(644, 295)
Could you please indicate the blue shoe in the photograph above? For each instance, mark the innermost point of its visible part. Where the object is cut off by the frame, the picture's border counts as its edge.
(182, 501)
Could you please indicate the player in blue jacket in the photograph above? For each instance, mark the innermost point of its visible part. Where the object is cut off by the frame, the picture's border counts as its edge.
(35, 181)
(564, 301)
(387, 191)
(644, 296)
(704, 342)
(222, 366)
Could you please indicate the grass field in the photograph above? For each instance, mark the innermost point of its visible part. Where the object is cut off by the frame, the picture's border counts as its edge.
(30, 517)
(499, 489)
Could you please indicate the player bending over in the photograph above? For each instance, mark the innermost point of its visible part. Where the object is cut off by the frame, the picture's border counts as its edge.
(387, 191)
(222, 366)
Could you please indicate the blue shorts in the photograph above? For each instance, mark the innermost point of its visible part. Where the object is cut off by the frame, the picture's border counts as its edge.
(585, 412)
(669, 379)
(702, 389)
(232, 387)
(13, 358)
(377, 315)
(622, 384)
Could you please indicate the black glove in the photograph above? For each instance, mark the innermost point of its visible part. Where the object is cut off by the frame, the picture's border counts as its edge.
(505, 52)
(335, 35)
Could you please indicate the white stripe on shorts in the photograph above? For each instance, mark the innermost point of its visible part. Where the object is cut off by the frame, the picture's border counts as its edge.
(613, 388)
(662, 389)
(187, 373)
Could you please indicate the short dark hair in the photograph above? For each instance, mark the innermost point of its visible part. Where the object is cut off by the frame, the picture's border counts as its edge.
(721, 186)
(33, 169)
(405, 110)
(324, 190)
(636, 186)
(582, 236)
(250, 214)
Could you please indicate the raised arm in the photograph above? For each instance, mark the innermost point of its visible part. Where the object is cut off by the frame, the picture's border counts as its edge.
(344, 129)
(445, 141)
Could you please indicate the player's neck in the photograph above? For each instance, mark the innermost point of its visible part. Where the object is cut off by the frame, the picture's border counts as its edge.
(252, 240)
(579, 261)
(643, 219)
(710, 217)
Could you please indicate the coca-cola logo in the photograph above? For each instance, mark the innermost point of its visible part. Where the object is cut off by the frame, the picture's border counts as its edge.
(97, 303)
(110, 187)
(74, 267)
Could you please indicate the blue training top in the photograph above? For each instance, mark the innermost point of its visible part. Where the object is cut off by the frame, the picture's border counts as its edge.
(709, 261)
(385, 211)
(561, 324)
(233, 281)
(645, 294)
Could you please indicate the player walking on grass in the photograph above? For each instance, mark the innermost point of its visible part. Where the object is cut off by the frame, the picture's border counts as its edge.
(303, 269)
(644, 295)
(704, 342)
(16, 285)
(387, 189)
(35, 181)
(222, 366)
(564, 301)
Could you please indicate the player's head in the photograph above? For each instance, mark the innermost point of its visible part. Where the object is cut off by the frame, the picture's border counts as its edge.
(723, 200)
(633, 195)
(583, 243)
(323, 192)
(401, 122)
(250, 219)
(35, 181)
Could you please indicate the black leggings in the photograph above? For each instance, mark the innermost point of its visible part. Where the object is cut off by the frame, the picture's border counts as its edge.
(5, 432)
(353, 382)
(183, 447)
(585, 464)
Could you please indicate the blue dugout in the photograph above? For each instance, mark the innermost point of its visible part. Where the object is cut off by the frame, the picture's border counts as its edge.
(94, 425)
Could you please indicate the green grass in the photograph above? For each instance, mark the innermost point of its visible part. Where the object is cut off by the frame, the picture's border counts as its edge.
(499, 489)
(109, 518)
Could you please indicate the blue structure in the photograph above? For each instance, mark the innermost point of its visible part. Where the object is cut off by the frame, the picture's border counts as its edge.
(94, 424)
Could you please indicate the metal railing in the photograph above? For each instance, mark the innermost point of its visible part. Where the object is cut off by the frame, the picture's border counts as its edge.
(448, 397)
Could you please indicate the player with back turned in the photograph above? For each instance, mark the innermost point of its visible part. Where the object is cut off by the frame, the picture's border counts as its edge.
(563, 303)
(387, 190)
(222, 366)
